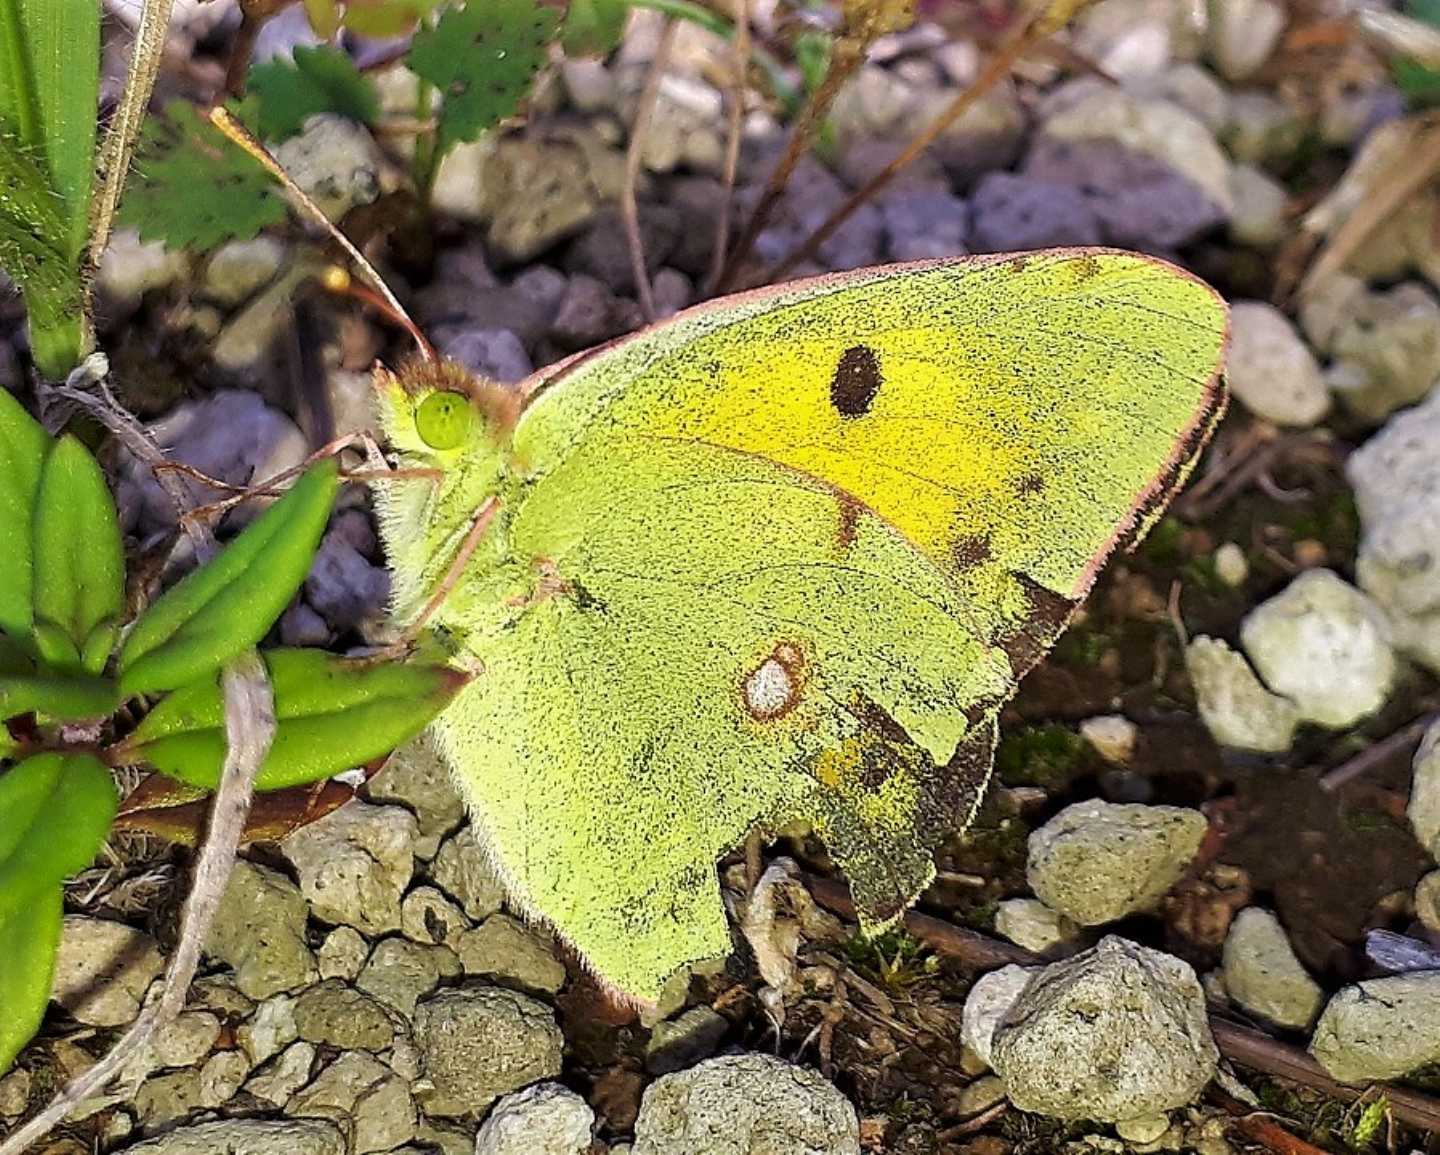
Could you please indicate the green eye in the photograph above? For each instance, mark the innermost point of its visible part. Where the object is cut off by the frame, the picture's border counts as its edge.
(444, 420)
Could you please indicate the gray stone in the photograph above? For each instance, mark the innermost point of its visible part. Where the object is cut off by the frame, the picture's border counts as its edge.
(494, 354)
(416, 778)
(335, 160)
(1324, 645)
(1424, 808)
(745, 1105)
(1386, 350)
(1263, 129)
(221, 1077)
(248, 338)
(103, 970)
(359, 1092)
(1380, 1028)
(400, 973)
(14, 1093)
(427, 916)
(1258, 218)
(182, 1042)
(344, 587)
(1097, 861)
(1231, 565)
(679, 1043)
(341, 1016)
(462, 870)
(922, 223)
(1117, 1032)
(979, 1096)
(1396, 479)
(1144, 1130)
(1028, 922)
(1128, 38)
(163, 1099)
(1427, 901)
(259, 931)
(1237, 710)
(447, 1138)
(986, 1005)
(247, 1137)
(546, 189)
(1270, 369)
(479, 1044)
(587, 314)
(1156, 128)
(1263, 975)
(1014, 212)
(302, 626)
(502, 948)
(1243, 34)
(230, 435)
(343, 953)
(355, 863)
(130, 268)
(1192, 88)
(460, 184)
(239, 268)
(546, 1119)
(286, 1075)
(672, 292)
(270, 1028)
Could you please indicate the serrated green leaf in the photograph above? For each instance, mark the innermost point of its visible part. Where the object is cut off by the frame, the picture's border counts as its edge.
(192, 188)
(79, 559)
(331, 714)
(230, 603)
(23, 446)
(70, 699)
(482, 58)
(594, 27)
(27, 969)
(321, 79)
(58, 809)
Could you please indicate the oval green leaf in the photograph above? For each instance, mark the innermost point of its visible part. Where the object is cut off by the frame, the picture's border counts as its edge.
(230, 603)
(331, 714)
(79, 559)
(23, 446)
(27, 969)
(70, 699)
(58, 809)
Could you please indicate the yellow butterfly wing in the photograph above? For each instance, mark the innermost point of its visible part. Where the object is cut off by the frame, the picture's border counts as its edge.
(785, 556)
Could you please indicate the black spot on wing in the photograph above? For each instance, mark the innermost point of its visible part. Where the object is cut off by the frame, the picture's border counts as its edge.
(856, 381)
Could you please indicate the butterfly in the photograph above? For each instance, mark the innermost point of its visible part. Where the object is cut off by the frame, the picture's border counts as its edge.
(780, 558)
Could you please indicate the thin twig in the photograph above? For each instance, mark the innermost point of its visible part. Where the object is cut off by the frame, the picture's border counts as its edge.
(846, 56)
(1055, 16)
(738, 84)
(629, 208)
(1409, 173)
(1373, 755)
(107, 410)
(249, 729)
(113, 161)
(1240, 1044)
(1259, 1128)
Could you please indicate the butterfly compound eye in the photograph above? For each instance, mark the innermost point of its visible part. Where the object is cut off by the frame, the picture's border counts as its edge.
(444, 420)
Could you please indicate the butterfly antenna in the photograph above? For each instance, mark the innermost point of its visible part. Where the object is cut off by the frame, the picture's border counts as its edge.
(336, 280)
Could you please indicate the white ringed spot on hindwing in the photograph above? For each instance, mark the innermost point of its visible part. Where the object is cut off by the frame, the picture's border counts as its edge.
(772, 689)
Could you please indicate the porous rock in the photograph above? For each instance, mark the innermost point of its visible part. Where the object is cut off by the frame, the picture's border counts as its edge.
(1263, 974)
(1117, 1032)
(546, 1119)
(1380, 1028)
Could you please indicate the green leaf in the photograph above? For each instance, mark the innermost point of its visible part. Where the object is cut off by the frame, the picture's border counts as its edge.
(1426, 11)
(27, 969)
(23, 445)
(1419, 85)
(594, 27)
(374, 18)
(79, 559)
(482, 58)
(322, 79)
(230, 603)
(192, 188)
(58, 809)
(331, 714)
(49, 93)
(71, 699)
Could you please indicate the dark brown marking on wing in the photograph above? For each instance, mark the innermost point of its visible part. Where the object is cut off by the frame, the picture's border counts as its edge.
(849, 521)
(1046, 616)
(856, 380)
(970, 550)
(1030, 483)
